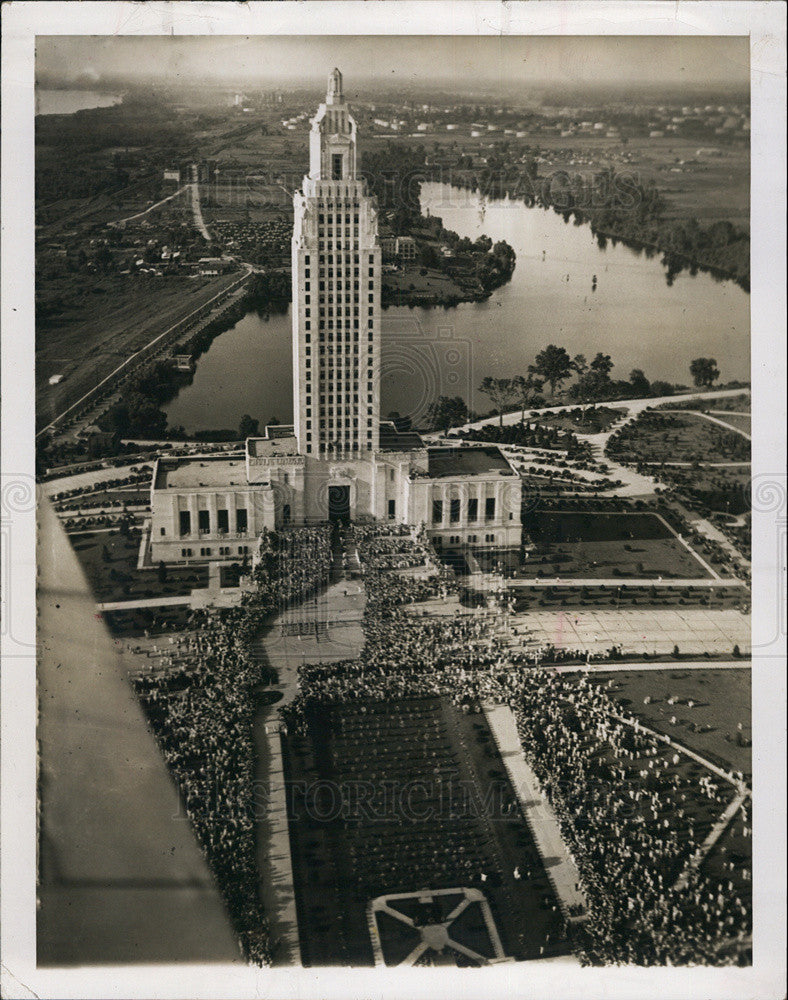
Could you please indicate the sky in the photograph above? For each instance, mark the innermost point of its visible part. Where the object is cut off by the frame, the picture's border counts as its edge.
(497, 61)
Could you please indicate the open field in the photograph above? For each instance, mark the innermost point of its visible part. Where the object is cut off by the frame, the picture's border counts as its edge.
(603, 545)
(400, 797)
(115, 317)
(720, 703)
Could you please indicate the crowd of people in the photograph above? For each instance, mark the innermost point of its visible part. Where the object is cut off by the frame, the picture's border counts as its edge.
(633, 814)
(632, 811)
(202, 707)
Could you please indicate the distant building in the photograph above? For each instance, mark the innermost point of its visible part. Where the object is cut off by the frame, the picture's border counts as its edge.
(388, 246)
(183, 362)
(406, 248)
(172, 175)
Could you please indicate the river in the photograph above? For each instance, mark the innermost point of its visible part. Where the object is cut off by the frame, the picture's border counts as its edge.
(66, 102)
(632, 313)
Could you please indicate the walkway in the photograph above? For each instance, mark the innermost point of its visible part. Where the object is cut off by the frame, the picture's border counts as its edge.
(634, 406)
(715, 833)
(538, 812)
(714, 420)
(638, 665)
(341, 605)
(634, 484)
(615, 581)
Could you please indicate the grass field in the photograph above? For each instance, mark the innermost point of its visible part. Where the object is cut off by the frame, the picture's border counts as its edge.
(598, 546)
(406, 796)
(410, 283)
(721, 701)
(740, 421)
(113, 574)
(614, 597)
(116, 316)
(678, 436)
(591, 420)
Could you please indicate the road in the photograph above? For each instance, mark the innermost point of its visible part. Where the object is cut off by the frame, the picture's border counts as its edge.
(199, 222)
(143, 353)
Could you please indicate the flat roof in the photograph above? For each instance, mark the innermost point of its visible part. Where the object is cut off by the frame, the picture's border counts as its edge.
(390, 439)
(192, 473)
(444, 462)
(266, 447)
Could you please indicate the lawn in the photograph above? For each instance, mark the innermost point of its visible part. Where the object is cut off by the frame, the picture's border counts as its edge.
(582, 420)
(626, 596)
(413, 795)
(677, 436)
(600, 546)
(106, 498)
(109, 560)
(741, 421)
(721, 701)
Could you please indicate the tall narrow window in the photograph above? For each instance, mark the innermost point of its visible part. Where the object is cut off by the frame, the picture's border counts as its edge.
(241, 521)
(489, 509)
(473, 509)
(336, 167)
(437, 511)
(186, 522)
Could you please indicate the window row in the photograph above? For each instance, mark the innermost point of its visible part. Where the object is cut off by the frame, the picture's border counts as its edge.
(455, 510)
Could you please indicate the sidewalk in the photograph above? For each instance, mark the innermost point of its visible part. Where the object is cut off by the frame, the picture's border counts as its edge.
(559, 865)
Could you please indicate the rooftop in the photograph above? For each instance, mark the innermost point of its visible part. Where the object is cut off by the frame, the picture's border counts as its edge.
(390, 439)
(266, 447)
(191, 473)
(466, 462)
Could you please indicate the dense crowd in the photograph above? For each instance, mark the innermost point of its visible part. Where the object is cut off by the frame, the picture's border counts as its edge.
(633, 812)
(201, 709)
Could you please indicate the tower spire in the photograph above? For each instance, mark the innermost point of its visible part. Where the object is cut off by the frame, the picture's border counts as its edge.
(334, 93)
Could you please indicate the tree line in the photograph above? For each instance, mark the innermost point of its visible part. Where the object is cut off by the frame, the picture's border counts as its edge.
(552, 367)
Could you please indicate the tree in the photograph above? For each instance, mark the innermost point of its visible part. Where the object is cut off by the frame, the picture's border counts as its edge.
(640, 384)
(602, 366)
(162, 571)
(526, 387)
(447, 412)
(500, 391)
(554, 364)
(704, 371)
(248, 427)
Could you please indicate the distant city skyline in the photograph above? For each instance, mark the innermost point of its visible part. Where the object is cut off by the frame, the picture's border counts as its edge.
(488, 62)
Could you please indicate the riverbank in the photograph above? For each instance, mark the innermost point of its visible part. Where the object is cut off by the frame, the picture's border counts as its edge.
(634, 214)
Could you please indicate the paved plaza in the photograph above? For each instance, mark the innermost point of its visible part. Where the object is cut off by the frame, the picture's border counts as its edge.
(693, 630)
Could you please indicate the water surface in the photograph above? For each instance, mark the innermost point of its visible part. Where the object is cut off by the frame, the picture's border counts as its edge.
(631, 312)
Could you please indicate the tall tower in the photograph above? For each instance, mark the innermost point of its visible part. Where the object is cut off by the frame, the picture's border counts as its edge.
(336, 294)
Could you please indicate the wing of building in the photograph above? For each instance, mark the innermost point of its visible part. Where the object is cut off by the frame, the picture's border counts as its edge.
(338, 461)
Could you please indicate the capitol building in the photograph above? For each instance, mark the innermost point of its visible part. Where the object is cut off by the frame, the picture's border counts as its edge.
(338, 461)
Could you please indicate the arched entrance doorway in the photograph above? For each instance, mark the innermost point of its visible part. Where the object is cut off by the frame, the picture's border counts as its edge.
(339, 504)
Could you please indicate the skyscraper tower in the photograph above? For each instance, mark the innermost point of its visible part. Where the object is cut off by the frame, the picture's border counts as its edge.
(336, 294)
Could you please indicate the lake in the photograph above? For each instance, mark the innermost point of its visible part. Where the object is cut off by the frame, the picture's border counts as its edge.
(631, 313)
(66, 102)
